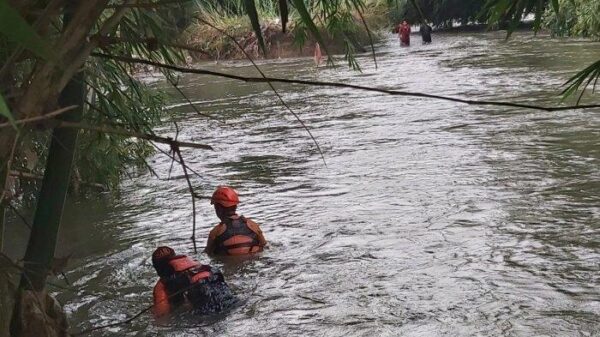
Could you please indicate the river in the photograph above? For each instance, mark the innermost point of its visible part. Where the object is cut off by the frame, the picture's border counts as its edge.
(430, 218)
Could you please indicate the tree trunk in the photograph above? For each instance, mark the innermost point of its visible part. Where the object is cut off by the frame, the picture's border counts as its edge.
(46, 222)
(35, 312)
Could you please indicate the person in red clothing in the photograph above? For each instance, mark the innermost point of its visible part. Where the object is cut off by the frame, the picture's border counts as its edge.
(235, 234)
(404, 33)
(185, 282)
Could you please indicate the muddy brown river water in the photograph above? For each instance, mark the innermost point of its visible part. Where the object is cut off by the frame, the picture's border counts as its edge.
(431, 218)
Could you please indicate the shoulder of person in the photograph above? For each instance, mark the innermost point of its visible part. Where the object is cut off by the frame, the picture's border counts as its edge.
(217, 230)
(159, 286)
(252, 225)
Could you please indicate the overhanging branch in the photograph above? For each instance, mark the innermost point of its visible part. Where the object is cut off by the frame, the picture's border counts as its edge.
(127, 133)
(38, 118)
(338, 85)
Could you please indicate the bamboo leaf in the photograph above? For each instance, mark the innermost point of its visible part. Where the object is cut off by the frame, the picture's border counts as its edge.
(575, 83)
(306, 18)
(555, 5)
(539, 10)
(364, 22)
(284, 12)
(16, 29)
(5, 112)
(253, 14)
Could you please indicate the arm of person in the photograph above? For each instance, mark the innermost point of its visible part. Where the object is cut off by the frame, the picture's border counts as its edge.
(212, 236)
(161, 307)
(256, 229)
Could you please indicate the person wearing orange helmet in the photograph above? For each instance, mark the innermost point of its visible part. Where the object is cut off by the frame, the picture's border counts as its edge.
(235, 234)
(185, 282)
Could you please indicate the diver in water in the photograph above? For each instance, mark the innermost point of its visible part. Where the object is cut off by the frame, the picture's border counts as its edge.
(235, 234)
(425, 31)
(185, 282)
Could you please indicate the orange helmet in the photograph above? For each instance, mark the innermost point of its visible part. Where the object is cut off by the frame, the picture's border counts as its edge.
(225, 196)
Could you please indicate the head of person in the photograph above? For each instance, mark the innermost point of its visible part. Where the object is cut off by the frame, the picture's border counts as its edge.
(160, 260)
(404, 23)
(225, 200)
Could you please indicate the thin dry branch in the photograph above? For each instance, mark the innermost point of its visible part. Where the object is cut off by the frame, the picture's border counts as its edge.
(176, 150)
(127, 133)
(18, 214)
(203, 114)
(339, 85)
(175, 159)
(270, 85)
(31, 176)
(36, 119)
(149, 4)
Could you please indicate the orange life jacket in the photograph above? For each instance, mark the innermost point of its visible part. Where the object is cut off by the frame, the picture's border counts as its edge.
(237, 239)
(172, 290)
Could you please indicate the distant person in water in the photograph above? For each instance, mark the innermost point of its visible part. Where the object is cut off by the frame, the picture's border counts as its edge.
(404, 33)
(318, 57)
(185, 282)
(425, 31)
(235, 234)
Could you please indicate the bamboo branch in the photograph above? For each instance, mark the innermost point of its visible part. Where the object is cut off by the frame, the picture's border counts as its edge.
(127, 133)
(149, 4)
(192, 193)
(339, 85)
(31, 176)
(172, 157)
(38, 118)
(150, 41)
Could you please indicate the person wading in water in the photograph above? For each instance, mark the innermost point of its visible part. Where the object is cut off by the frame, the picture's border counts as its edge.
(425, 31)
(185, 282)
(404, 33)
(235, 234)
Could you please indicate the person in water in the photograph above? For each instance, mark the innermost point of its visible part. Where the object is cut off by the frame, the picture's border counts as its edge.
(235, 234)
(425, 31)
(185, 282)
(404, 33)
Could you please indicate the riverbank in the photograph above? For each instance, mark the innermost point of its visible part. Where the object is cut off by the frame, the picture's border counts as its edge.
(209, 43)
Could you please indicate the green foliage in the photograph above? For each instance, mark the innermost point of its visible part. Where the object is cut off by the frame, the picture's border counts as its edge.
(566, 17)
(307, 20)
(250, 7)
(583, 79)
(14, 28)
(575, 18)
(440, 13)
(5, 112)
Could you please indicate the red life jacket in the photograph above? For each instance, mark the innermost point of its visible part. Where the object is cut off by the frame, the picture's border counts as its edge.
(237, 239)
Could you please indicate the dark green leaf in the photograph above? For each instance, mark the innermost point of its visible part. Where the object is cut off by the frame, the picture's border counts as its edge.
(284, 12)
(539, 10)
(364, 22)
(576, 82)
(250, 7)
(5, 112)
(555, 5)
(16, 29)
